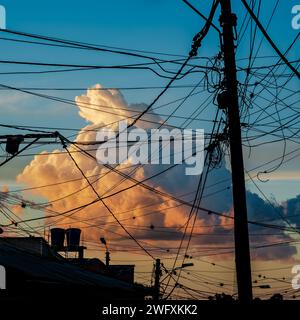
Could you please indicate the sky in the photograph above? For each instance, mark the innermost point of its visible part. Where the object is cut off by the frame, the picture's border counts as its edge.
(159, 26)
(164, 26)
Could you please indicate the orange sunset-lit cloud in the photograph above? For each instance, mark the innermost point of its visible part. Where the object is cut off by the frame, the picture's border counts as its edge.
(102, 109)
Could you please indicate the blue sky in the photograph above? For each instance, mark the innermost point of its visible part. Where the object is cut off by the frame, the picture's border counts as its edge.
(151, 25)
(159, 25)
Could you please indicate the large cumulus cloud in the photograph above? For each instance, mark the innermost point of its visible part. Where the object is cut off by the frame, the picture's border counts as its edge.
(103, 108)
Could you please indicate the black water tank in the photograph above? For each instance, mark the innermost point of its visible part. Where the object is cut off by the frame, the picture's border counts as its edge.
(73, 238)
(57, 238)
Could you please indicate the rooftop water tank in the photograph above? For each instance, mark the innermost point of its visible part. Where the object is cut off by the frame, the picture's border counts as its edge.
(57, 238)
(73, 238)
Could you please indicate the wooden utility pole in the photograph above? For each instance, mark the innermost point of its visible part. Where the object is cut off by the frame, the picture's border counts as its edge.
(156, 281)
(242, 250)
(107, 258)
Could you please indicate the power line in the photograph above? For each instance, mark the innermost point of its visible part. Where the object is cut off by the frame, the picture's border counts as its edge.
(208, 20)
(102, 201)
(269, 39)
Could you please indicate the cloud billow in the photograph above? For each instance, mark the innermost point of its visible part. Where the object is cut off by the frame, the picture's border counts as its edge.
(161, 224)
